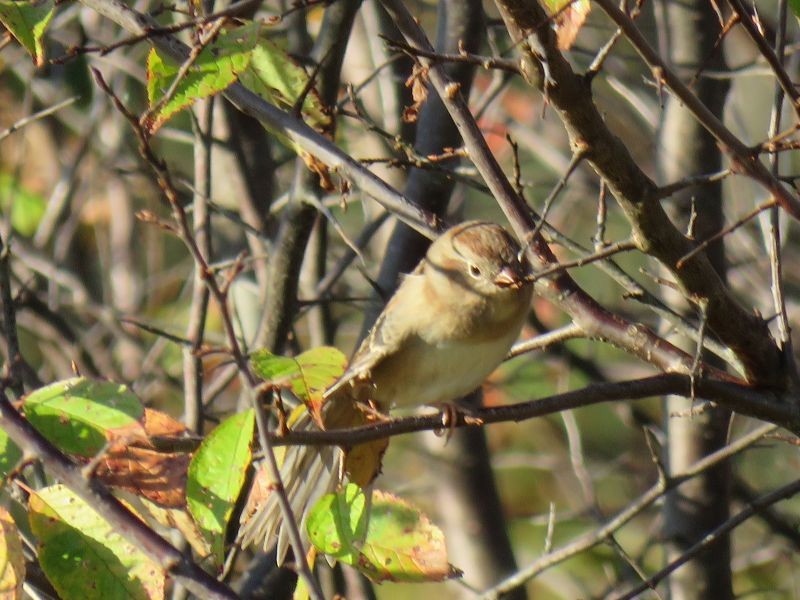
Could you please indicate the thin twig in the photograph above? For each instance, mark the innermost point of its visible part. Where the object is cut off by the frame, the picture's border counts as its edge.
(722, 233)
(577, 157)
(36, 116)
(604, 253)
(773, 241)
(540, 342)
(485, 62)
(665, 191)
(198, 309)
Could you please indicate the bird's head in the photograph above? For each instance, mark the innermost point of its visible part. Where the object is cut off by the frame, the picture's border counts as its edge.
(481, 257)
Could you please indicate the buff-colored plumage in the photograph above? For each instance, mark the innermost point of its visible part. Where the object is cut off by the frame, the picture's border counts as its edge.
(450, 323)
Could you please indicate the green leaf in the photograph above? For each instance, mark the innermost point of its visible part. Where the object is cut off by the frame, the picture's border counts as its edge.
(794, 5)
(338, 523)
(215, 68)
(387, 539)
(27, 208)
(216, 477)
(83, 556)
(10, 454)
(308, 375)
(27, 22)
(278, 79)
(80, 415)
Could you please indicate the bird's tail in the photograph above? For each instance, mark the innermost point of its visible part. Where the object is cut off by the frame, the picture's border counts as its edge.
(308, 473)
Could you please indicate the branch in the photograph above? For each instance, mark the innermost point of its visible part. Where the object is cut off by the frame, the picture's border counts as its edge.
(745, 400)
(36, 116)
(17, 369)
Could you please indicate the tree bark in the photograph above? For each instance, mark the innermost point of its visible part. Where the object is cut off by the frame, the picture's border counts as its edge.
(702, 504)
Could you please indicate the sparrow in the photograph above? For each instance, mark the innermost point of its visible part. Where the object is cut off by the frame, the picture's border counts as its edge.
(450, 323)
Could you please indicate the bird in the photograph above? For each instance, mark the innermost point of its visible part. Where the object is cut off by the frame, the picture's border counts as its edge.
(450, 323)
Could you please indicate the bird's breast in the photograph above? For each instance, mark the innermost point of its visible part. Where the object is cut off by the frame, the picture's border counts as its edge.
(426, 372)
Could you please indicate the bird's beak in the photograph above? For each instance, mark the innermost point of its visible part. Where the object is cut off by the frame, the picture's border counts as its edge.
(510, 276)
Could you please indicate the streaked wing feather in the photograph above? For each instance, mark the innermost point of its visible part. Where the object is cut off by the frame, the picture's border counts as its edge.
(383, 340)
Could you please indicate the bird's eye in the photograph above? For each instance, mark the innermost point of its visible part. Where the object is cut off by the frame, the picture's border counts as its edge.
(474, 271)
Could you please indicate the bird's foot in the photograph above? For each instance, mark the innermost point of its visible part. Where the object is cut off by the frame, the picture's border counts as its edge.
(453, 416)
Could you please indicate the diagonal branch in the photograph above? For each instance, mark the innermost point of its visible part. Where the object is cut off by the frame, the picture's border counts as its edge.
(570, 94)
(593, 538)
(744, 159)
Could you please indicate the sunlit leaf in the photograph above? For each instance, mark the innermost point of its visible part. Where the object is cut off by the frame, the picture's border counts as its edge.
(216, 477)
(27, 22)
(27, 208)
(308, 375)
(83, 556)
(81, 415)
(215, 68)
(387, 539)
(12, 560)
(10, 454)
(276, 77)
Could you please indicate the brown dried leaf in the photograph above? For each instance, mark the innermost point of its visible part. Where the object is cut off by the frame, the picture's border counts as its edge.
(322, 171)
(158, 476)
(157, 423)
(418, 82)
(363, 461)
(12, 560)
(260, 490)
(569, 22)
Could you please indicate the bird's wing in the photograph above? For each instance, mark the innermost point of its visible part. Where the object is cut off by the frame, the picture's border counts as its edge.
(384, 339)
